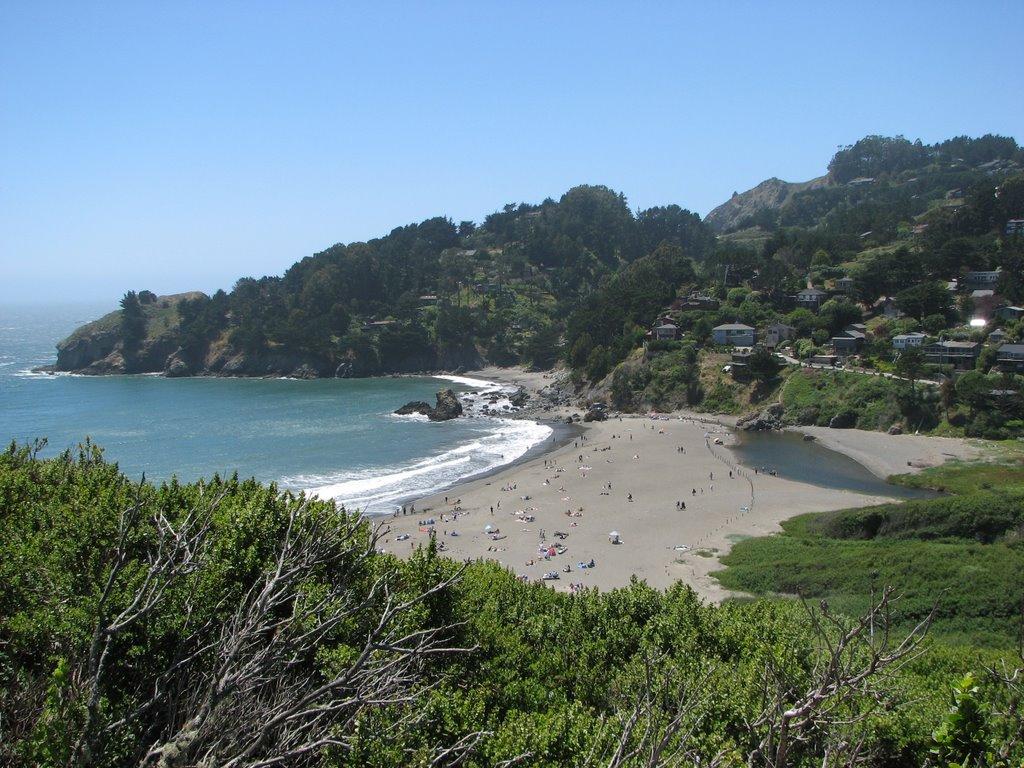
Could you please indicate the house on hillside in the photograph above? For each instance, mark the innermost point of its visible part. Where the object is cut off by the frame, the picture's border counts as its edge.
(776, 333)
(1008, 312)
(1015, 227)
(1010, 357)
(665, 332)
(734, 335)
(849, 342)
(811, 298)
(741, 354)
(959, 354)
(845, 285)
(982, 278)
(905, 340)
(997, 337)
(886, 307)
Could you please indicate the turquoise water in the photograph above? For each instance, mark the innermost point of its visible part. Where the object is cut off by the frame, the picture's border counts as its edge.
(337, 437)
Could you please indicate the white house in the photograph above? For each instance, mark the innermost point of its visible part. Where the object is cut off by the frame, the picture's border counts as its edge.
(904, 340)
(983, 278)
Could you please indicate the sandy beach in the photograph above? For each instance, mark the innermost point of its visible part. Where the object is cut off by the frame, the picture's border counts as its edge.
(632, 476)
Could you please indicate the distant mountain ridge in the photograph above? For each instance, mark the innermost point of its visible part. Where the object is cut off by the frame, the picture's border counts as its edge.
(770, 194)
(891, 171)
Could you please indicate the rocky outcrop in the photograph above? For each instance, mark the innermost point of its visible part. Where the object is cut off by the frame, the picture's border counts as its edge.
(81, 350)
(770, 194)
(447, 407)
(416, 406)
(764, 421)
(843, 420)
(177, 366)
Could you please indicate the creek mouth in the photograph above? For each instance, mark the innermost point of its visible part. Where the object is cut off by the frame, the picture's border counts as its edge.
(807, 461)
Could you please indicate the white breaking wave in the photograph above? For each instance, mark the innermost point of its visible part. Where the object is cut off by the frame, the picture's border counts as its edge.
(481, 384)
(28, 373)
(380, 490)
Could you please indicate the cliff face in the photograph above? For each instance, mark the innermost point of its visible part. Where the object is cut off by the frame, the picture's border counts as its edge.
(770, 194)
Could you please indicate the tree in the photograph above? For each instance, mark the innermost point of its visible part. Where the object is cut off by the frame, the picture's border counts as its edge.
(540, 349)
(580, 351)
(837, 314)
(133, 322)
(598, 363)
(762, 364)
(910, 364)
(924, 299)
(947, 394)
(973, 388)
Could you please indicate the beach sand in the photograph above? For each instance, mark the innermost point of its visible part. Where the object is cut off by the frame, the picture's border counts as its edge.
(656, 462)
(637, 456)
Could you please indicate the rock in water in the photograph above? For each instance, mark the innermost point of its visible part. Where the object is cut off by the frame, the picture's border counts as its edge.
(448, 406)
(416, 406)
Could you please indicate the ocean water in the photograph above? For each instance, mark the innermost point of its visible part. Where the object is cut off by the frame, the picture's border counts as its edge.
(335, 437)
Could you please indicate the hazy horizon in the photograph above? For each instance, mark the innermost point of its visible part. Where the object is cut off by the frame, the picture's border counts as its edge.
(180, 147)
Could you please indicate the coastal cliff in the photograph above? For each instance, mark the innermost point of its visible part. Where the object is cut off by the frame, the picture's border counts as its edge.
(101, 348)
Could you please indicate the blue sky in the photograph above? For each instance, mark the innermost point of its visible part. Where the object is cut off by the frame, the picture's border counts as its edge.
(173, 146)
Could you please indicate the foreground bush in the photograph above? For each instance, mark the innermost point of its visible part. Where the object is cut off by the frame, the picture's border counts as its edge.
(223, 623)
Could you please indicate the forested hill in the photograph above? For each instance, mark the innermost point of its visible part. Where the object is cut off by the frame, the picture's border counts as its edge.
(894, 170)
(428, 296)
(583, 278)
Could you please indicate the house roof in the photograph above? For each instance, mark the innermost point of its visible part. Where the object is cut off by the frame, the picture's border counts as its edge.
(667, 327)
(957, 344)
(911, 335)
(732, 327)
(982, 294)
(1012, 349)
(811, 292)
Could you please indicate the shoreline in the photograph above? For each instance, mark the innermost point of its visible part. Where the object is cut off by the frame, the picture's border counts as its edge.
(555, 492)
(512, 515)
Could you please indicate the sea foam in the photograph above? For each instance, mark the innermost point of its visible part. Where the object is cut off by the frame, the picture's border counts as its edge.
(380, 490)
